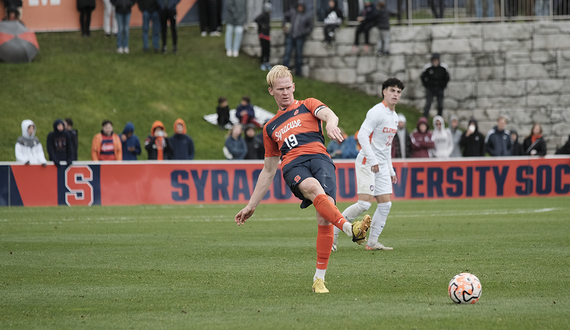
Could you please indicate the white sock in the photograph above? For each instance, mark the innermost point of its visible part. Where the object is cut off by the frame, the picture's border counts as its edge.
(320, 273)
(352, 212)
(378, 222)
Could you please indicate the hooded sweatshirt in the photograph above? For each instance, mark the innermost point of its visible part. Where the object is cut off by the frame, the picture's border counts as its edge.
(158, 147)
(474, 144)
(130, 142)
(59, 145)
(421, 142)
(28, 147)
(442, 139)
(181, 144)
(517, 149)
(456, 136)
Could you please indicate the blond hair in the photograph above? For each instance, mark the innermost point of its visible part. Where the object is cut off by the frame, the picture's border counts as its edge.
(278, 71)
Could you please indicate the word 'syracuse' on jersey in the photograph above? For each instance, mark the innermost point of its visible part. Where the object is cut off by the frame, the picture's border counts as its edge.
(376, 135)
(296, 134)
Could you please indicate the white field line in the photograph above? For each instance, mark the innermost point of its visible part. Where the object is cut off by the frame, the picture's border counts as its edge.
(225, 218)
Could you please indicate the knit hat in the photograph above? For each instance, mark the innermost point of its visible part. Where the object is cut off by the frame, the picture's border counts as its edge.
(267, 7)
(401, 117)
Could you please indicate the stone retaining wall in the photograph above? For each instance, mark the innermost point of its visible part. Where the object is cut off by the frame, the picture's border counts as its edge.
(519, 70)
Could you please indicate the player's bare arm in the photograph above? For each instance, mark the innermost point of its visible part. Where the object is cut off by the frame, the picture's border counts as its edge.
(263, 183)
(329, 117)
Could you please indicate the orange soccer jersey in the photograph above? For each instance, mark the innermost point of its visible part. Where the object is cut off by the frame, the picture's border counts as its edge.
(295, 133)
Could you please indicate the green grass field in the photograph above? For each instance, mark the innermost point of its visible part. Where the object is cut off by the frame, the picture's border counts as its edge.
(192, 267)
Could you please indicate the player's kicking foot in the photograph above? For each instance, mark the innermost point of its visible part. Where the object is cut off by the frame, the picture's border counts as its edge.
(359, 229)
(319, 286)
(378, 247)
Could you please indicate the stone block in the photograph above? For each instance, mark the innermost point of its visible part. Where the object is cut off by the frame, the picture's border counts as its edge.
(457, 46)
(507, 31)
(537, 101)
(411, 34)
(346, 76)
(446, 31)
(548, 86)
(517, 57)
(464, 74)
(337, 62)
(507, 89)
(486, 59)
(391, 64)
(525, 71)
(360, 80)
(418, 61)
(460, 90)
(493, 46)
(316, 49)
(409, 48)
(379, 77)
(550, 41)
(502, 102)
(521, 117)
(491, 73)
(345, 36)
(556, 27)
(414, 75)
(365, 65)
(460, 60)
(547, 56)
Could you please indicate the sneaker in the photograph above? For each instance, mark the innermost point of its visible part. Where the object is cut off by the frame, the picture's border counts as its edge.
(107, 35)
(228, 53)
(378, 247)
(204, 33)
(263, 67)
(126, 50)
(215, 34)
(319, 286)
(164, 50)
(268, 66)
(333, 247)
(359, 229)
(235, 53)
(120, 50)
(174, 50)
(145, 50)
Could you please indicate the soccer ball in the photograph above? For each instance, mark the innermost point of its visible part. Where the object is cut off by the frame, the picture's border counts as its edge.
(464, 288)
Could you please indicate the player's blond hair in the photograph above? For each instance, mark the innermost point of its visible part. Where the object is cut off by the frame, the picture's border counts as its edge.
(278, 71)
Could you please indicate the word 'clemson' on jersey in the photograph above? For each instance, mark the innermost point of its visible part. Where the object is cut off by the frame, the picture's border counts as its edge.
(296, 134)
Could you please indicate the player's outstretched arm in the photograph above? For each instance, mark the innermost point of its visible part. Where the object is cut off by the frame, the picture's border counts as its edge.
(263, 183)
(329, 117)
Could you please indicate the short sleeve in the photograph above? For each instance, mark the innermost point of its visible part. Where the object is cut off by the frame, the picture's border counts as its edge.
(313, 105)
(271, 148)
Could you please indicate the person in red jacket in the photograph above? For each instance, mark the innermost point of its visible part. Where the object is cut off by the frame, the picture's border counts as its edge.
(421, 140)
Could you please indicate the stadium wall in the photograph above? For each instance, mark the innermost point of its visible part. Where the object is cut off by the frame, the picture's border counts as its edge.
(519, 70)
(197, 182)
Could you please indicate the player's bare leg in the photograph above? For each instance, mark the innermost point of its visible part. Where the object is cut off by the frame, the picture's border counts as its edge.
(378, 223)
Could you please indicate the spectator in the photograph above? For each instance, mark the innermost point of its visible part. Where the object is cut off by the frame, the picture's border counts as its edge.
(402, 144)
(421, 138)
(149, 9)
(541, 7)
(367, 21)
(131, 145)
(437, 7)
(441, 138)
(435, 76)
(263, 29)
(235, 19)
(334, 148)
(349, 147)
(223, 111)
(254, 143)
(168, 14)
(333, 19)
(498, 140)
(12, 14)
(534, 144)
(383, 24)
(59, 144)
(490, 8)
(106, 144)
(565, 149)
(123, 13)
(73, 135)
(472, 141)
(245, 112)
(208, 17)
(235, 147)
(110, 25)
(456, 136)
(181, 144)
(517, 149)
(511, 8)
(156, 144)
(28, 147)
(85, 7)
(297, 25)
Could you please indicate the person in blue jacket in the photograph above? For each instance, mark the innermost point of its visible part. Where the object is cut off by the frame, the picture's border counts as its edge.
(131, 143)
(245, 112)
(181, 145)
(235, 144)
(168, 13)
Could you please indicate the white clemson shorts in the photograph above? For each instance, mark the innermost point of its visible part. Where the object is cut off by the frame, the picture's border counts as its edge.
(371, 183)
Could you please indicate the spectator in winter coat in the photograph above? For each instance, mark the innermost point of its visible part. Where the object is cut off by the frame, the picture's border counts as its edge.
(28, 148)
(223, 111)
(435, 76)
(235, 147)
(498, 140)
(106, 144)
(85, 8)
(343, 150)
(149, 9)
(236, 16)
(402, 143)
(168, 14)
(517, 149)
(383, 24)
(333, 19)
(131, 144)
(422, 142)
(297, 25)
(209, 17)
(181, 144)
(472, 141)
(73, 135)
(156, 144)
(254, 143)
(245, 112)
(456, 136)
(367, 21)
(534, 144)
(441, 138)
(59, 144)
(263, 29)
(123, 13)
(565, 149)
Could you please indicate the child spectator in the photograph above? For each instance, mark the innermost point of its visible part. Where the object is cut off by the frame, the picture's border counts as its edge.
(422, 142)
(455, 136)
(59, 144)
(402, 144)
(131, 144)
(332, 20)
(254, 143)
(367, 21)
(223, 111)
(534, 144)
(235, 147)
(73, 135)
(472, 141)
(442, 139)
(235, 19)
(156, 144)
(245, 113)
(263, 28)
(181, 144)
(149, 9)
(85, 7)
(168, 14)
(123, 13)
(383, 24)
(28, 147)
(106, 144)
(517, 149)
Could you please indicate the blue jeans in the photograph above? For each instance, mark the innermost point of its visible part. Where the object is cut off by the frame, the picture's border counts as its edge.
(235, 32)
(154, 17)
(541, 7)
(490, 8)
(298, 43)
(123, 21)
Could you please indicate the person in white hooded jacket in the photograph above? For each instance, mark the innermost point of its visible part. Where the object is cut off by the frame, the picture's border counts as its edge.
(28, 148)
(442, 139)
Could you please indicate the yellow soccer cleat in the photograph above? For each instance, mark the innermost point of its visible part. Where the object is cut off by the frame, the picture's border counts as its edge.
(319, 286)
(359, 229)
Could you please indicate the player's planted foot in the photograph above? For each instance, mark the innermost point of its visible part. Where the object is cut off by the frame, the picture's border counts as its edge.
(359, 229)
(319, 286)
(378, 247)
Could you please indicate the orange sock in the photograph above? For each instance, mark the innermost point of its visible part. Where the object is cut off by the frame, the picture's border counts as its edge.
(325, 239)
(329, 211)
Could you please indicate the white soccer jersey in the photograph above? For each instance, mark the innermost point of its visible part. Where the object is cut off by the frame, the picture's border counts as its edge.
(376, 135)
